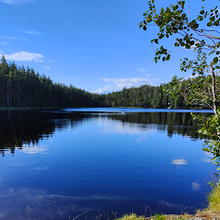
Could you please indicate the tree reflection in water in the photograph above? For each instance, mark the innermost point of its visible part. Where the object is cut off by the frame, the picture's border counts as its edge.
(19, 128)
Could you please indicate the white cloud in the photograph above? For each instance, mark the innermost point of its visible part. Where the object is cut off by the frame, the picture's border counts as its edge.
(121, 83)
(143, 70)
(207, 160)
(11, 38)
(106, 89)
(18, 2)
(179, 161)
(51, 61)
(32, 32)
(25, 56)
(208, 154)
(4, 42)
(46, 67)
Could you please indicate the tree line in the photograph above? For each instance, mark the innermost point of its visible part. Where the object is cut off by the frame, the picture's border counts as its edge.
(191, 94)
(145, 96)
(20, 87)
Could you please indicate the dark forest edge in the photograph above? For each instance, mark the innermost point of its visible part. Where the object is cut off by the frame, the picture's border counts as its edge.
(22, 88)
(28, 108)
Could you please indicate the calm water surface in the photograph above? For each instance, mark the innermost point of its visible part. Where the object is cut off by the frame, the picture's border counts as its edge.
(104, 162)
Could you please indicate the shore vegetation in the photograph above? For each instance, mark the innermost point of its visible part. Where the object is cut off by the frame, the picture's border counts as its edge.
(211, 212)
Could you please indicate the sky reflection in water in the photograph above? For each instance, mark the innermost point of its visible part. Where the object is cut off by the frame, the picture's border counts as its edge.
(140, 162)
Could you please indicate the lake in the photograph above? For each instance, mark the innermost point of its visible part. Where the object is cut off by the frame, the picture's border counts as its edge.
(100, 163)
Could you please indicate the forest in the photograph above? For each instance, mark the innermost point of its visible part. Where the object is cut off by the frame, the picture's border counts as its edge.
(20, 87)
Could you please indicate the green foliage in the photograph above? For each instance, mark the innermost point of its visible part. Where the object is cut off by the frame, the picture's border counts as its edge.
(214, 199)
(20, 87)
(201, 35)
(210, 127)
(179, 93)
(132, 217)
(159, 217)
(196, 91)
(145, 96)
(176, 20)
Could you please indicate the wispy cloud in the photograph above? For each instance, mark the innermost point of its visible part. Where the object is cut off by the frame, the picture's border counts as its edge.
(17, 2)
(208, 154)
(24, 56)
(119, 84)
(31, 32)
(207, 160)
(143, 70)
(11, 38)
(46, 67)
(4, 42)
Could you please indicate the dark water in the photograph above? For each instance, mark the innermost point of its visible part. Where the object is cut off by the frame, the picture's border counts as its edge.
(102, 162)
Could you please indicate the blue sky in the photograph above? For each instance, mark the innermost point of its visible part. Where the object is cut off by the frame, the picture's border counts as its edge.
(95, 45)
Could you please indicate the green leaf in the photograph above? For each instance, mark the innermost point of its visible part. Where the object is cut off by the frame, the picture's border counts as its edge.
(209, 24)
(202, 12)
(215, 60)
(216, 23)
(182, 3)
(168, 57)
(177, 44)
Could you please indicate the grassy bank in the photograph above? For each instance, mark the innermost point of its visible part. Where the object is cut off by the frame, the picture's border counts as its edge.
(214, 202)
(211, 212)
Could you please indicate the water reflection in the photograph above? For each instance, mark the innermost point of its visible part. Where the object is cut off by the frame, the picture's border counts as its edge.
(37, 205)
(171, 122)
(103, 162)
(179, 161)
(22, 129)
(31, 149)
(195, 186)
